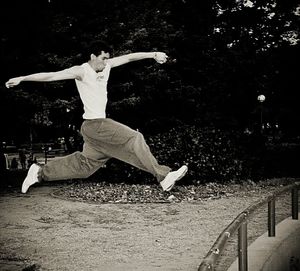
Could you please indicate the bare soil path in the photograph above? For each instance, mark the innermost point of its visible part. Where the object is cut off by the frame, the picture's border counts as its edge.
(40, 232)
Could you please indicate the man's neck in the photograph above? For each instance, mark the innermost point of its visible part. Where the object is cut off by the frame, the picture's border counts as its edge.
(92, 66)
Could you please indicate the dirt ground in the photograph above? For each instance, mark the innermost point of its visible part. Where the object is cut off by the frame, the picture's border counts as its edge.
(41, 232)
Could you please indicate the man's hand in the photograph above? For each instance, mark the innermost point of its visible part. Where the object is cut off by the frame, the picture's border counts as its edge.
(13, 82)
(160, 57)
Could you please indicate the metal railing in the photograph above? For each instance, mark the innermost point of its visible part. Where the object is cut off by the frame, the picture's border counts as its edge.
(240, 224)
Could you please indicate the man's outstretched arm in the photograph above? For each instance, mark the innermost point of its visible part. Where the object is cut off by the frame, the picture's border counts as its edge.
(159, 57)
(75, 72)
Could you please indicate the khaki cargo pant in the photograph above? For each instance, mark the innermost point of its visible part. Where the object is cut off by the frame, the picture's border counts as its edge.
(104, 139)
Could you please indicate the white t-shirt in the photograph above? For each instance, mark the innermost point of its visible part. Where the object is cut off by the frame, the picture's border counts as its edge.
(93, 91)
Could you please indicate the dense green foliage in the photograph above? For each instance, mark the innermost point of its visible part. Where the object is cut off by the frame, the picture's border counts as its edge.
(211, 155)
(215, 155)
(223, 54)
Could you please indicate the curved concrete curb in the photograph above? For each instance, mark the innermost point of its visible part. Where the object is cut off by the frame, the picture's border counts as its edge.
(279, 253)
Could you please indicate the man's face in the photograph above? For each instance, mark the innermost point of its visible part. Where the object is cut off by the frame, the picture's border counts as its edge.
(100, 60)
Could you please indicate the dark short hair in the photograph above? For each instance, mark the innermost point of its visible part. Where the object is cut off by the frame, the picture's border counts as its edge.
(95, 48)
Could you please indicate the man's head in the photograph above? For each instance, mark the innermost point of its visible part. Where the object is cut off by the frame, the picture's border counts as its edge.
(97, 54)
(99, 61)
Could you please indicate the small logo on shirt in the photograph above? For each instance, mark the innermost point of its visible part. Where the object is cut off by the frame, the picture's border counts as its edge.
(100, 76)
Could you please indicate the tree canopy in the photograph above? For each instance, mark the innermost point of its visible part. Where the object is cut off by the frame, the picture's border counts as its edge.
(223, 54)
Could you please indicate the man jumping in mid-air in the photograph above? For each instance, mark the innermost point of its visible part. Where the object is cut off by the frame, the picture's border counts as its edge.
(103, 137)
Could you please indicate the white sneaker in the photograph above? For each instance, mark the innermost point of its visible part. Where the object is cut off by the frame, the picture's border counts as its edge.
(168, 182)
(31, 178)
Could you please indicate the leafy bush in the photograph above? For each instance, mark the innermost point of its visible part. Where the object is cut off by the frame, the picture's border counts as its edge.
(211, 155)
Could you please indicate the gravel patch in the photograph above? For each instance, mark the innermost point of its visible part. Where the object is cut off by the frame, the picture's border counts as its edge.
(104, 192)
